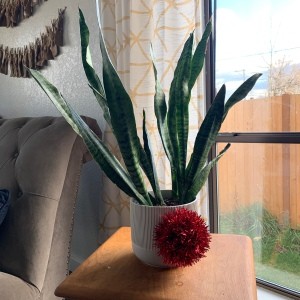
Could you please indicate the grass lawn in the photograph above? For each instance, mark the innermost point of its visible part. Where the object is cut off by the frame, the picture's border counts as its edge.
(276, 248)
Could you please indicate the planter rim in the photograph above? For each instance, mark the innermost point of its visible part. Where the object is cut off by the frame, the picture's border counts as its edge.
(164, 192)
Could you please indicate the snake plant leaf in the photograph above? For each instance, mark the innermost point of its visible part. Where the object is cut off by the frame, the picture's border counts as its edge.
(241, 92)
(123, 120)
(151, 170)
(201, 177)
(199, 55)
(160, 109)
(205, 137)
(94, 81)
(109, 164)
(178, 110)
(172, 122)
(103, 105)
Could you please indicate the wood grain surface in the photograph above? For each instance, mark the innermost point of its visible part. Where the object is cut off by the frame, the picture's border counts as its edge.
(112, 272)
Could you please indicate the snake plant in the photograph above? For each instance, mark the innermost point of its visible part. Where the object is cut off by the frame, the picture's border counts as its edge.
(188, 177)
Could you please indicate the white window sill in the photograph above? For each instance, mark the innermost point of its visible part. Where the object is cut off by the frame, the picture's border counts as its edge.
(264, 294)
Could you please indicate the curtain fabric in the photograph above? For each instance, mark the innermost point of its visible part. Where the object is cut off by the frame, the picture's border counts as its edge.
(129, 28)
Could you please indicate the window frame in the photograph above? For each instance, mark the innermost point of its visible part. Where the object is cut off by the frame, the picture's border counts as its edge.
(235, 137)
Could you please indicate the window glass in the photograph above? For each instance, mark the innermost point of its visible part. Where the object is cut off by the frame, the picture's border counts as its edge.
(260, 37)
(258, 184)
(259, 192)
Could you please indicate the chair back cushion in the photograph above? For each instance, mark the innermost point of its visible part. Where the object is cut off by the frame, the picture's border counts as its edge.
(34, 158)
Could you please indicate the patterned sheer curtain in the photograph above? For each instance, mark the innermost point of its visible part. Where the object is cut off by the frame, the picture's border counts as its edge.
(129, 28)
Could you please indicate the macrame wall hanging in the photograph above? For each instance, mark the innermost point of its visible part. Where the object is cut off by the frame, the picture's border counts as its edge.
(35, 55)
(12, 12)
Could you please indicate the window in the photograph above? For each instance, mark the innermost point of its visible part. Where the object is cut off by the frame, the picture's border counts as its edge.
(256, 185)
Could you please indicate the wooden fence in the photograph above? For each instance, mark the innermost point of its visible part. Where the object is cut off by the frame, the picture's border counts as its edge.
(264, 173)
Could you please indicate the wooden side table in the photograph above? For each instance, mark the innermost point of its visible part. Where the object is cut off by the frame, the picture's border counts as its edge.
(112, 272)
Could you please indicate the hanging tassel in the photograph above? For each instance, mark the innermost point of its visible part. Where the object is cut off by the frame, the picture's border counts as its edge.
(40, 60)
(25, 62)
(8, 13)
(2, 14)
(17, 67)
(1, 57)
(27, 8)
(15, 13)
(37, 51)
(35, 55)
(20, 62)
(49, 39)
(59, 26)
(31, 56)
(35, 2)
(54, 47)
(12, 12)
(44, 49)
(11, 63)
(46, 53)
(14, 63)
(5, 61)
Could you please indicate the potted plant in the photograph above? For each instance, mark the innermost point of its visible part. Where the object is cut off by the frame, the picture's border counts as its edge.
(156, 208)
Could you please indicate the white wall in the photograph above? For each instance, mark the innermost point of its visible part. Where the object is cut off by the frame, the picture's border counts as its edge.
(22, 97)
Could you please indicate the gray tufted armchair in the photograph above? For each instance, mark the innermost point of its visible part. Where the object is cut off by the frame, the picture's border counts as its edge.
(40, 163)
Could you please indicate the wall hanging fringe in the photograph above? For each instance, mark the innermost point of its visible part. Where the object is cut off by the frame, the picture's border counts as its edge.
(12, 12)
(34, 55)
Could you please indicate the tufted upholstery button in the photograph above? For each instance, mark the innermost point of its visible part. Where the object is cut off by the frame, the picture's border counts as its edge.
(38, 190)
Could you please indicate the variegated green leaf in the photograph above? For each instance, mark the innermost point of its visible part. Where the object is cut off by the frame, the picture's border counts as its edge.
(241, 92)
(94, 81)
(201, 177)
(199, 55)
(151, 170)
(123, 120)
(172, 122)
(109, 164)
(178, 111)
(206, 137)
(160, 109)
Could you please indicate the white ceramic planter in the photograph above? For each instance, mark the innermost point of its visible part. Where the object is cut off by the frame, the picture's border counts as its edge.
(143, 220)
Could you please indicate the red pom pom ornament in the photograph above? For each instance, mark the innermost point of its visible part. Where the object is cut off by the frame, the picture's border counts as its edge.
(181, 238)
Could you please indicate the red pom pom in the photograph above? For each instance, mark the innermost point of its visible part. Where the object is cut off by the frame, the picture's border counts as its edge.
(182, 238)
